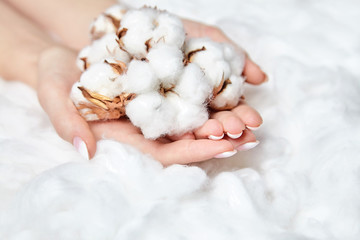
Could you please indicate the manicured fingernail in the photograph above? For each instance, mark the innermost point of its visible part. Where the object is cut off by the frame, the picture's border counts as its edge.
(226, 154)
(212, 137)
(234, 136)
(80, 146)
(253, 128)
(247, 146)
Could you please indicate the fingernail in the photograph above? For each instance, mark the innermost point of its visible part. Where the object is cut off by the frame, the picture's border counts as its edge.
(253, 128)
(212, 137)
(234, 136)
(247, 146)
(80, 146)
(226, 154)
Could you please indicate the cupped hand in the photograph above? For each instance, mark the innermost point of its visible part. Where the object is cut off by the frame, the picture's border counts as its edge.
(57, 74)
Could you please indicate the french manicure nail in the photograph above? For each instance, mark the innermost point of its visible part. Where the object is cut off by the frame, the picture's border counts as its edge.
(226, 154)
(253, 128)
(234, 136)
(247, 146)
(81, 147)
(212, 137)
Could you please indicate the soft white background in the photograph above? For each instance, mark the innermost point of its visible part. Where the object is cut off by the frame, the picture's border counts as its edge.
(301, 182)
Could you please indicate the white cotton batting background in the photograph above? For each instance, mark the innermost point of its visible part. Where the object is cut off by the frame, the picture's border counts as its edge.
(302, 181)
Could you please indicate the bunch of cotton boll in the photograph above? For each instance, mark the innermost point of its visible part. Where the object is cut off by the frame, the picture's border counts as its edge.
(141, 65)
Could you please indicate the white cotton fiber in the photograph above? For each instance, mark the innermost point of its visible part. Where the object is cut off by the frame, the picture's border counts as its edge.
(235, 57)
(169, 29)
(230, 96)
(149, 56)
(139, 78)
(101, 78)
(300, 183)
(211, 60)
(101, 49)
(107, 22)
(81, 60)
(188, 115)
(167, 63)
(152, 113)
(139, 25)
(193, 85)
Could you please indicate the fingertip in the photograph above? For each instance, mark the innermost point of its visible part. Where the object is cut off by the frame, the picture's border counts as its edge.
(73, 128)
(253, 73)
(212, 129)
(85, 143)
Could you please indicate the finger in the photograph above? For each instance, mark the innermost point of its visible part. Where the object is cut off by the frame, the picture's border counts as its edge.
(180, 152)
(55, 81)
(189, 151)
(67, 122)
(248, 115)
(245, 142)
(232, 125)
(253, 73)
(212, 129)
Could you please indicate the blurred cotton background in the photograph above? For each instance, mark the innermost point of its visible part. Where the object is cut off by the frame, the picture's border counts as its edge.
(301, 182)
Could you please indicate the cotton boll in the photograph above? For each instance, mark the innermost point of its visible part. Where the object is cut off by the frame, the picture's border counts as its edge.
(189, 116)
(169, 30)
(152, 113)
(101, 78)
(236, 57)
(139, 78)
(193, 85)
(167, 63)
(139, 25)
(81, 60)
(107, 22)
(101, 26)
(78, 98)
(211, 59)
(230, 96)
(117, 11)
(105, 47)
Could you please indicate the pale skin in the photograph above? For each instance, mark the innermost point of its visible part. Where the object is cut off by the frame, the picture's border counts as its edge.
(49, 67)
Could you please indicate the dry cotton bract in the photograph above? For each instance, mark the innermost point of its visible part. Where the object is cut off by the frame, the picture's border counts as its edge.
(140, 65)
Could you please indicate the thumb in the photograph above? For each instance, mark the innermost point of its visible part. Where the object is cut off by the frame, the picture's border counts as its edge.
(67, 122)
(55, 81)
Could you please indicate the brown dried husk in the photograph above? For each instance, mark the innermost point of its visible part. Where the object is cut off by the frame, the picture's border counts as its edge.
(217, 91)
(103, 107)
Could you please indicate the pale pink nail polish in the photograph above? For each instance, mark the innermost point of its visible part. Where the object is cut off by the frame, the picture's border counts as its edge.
(226, 154)
(234, 136)
(212, 137)
(247, 146)
(81, 147)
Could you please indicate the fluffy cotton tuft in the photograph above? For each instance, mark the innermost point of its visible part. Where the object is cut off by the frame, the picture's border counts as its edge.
(101, 78)
(193, 85)
(107, 22)
(188, 115)
(152, 113)
(167, 63)
(101, 49)
(146, 70)
(139, 78)
(222, 68)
